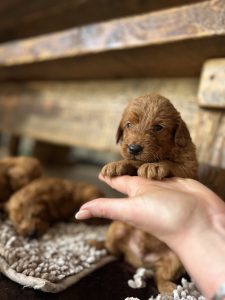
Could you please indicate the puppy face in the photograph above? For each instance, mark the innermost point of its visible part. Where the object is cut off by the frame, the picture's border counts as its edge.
(29, 220)
(150, 129)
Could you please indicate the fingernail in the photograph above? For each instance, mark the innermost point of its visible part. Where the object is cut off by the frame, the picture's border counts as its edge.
(83, 214)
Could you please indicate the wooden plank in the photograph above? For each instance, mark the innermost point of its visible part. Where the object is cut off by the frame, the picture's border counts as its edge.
(201, 20)
(14, 144)
(183, 58)
(52, 154)
(211, 137)
(7, 4)
(212, 84)
(22, 18)
(213, 177)
(85, 114)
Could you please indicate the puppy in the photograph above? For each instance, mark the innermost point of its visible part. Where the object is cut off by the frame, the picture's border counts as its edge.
(46, 200)
(154, 143)
(16, 172)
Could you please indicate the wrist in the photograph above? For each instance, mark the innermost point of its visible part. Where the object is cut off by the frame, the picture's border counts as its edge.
(201, 250)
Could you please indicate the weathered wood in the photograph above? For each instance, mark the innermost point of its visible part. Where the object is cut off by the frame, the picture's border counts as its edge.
(213, 177)
(52, 154)
(201, 20)
(22, 18)
(85, 114)
(14, 143)
(212, 84)
(174, 59)
(210, 131)
(210, 134)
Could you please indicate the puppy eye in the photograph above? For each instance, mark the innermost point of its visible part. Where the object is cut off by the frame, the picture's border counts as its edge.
(158, 127)
(128, 125)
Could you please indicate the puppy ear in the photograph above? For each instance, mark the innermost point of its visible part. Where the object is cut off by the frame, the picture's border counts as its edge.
(119, 133)
(182, 136)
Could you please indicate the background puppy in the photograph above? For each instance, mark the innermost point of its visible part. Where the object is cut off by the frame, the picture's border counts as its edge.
(46, 200)
(155, 143)
(15, 173)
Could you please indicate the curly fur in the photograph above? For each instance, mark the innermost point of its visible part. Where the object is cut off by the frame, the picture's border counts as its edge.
(151, 122)
(33, 202)
(165, 153)
(15, 173)
(46, 200)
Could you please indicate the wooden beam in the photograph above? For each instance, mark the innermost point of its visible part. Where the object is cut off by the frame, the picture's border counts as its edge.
(201, 20)
(22, 18)
(85, 114)
(183, 58)
(212, 84)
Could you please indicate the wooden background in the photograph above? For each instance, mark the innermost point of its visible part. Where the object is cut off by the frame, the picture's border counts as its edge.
(67, 70)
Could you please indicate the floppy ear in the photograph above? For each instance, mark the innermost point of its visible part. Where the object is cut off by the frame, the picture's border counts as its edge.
(119, 133)
(182, 136)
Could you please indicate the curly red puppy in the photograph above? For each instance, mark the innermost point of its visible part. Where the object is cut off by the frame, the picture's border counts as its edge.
(154, 143)
(46, 200)
(15, 173)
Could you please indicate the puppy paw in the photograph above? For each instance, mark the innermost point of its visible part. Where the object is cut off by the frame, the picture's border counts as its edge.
(118, 168)
(99, 245)
(154, 170)
(166, 288)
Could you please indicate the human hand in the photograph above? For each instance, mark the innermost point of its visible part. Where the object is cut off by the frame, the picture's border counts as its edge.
(183, 213)
(167, 209)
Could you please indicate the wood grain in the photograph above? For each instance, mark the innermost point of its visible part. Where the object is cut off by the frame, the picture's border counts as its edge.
(212, 84)
(210, 134)
(22, 18)
(213, 178)
(183, 58)
(201, 20)
(85, 114)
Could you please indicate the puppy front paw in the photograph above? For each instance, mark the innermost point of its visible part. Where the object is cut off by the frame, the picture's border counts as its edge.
(118, 168)
(166, 287)
(154, 171)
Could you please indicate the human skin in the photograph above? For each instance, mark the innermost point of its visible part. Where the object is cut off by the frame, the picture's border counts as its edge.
(183, 213)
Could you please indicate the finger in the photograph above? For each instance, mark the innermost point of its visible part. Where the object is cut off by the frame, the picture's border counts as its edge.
(119, 209)
(128, 185)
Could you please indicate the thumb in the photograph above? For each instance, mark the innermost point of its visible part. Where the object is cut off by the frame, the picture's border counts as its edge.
(115, 209)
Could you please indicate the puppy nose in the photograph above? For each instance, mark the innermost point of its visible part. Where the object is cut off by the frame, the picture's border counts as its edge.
(134, 148)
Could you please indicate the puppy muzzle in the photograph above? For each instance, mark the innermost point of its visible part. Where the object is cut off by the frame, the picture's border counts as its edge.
(134, 149)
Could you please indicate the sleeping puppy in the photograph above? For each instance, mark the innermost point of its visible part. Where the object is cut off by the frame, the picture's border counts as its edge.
(15, 173)
(154, 143)
(46, 200)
